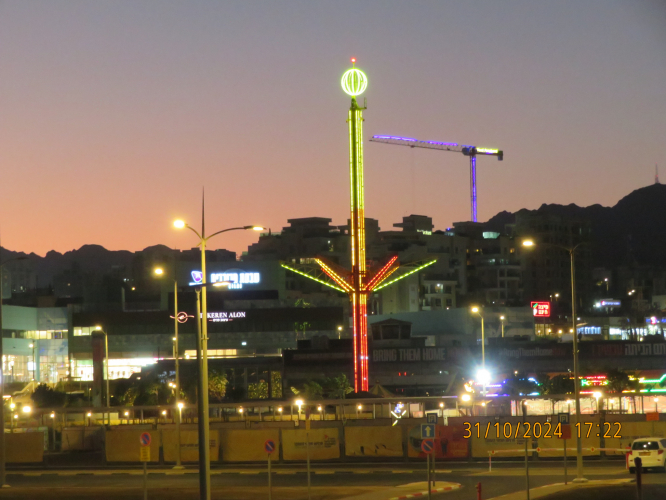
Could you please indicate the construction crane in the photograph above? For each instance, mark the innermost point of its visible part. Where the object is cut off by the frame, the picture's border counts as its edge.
(467, 150)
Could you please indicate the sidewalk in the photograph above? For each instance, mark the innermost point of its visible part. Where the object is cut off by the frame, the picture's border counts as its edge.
(406, 491)
(550, 489)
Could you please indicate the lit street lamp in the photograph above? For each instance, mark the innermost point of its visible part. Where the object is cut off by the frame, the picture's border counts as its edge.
(34, 365)
(579, 444)
(176, 355)
(483, 372)
(202, 347)
(502, 318)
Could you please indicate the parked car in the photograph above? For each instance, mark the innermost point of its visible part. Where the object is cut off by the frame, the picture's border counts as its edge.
(651, 452)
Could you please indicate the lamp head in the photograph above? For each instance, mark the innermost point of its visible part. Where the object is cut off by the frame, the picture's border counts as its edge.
(181, 405)
(179, 224)
(158, 271)
(483, 376)
(465, 397)
(528, 243)
(502, 318)
(258, 228)
(299, 402)
(475, 309)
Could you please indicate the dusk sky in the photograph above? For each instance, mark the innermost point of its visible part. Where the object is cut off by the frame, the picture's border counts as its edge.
(115, 114)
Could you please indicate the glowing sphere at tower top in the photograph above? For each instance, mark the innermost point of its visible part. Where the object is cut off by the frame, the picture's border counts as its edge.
(354, 82)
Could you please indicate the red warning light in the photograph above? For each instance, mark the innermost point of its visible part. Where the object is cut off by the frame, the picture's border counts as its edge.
(353, 59)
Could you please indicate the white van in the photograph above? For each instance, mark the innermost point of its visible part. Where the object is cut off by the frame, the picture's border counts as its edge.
(651, 452)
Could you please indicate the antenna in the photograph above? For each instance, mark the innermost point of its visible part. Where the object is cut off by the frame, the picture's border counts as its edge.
(656, 174)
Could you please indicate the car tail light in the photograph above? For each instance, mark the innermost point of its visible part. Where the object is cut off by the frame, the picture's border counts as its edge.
(660, 452)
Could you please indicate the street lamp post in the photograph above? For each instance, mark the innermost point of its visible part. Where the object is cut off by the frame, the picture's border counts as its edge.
(160, 272)
(106, 369)
(484, 372)
(202, 347)
(579, 444)
(502, 318)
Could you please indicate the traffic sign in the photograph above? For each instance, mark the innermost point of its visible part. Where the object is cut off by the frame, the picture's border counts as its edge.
(269, 446)
(144, 454)
(145, 439)
(563, 418)
(427, 431)
(432, 418)
(427, 445)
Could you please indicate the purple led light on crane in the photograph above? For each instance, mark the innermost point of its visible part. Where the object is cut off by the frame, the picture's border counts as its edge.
(395, 138)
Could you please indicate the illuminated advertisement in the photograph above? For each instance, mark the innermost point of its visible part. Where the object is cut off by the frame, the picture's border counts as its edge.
(234, 277)
(608, 303)
(541, 309)
(224, 316)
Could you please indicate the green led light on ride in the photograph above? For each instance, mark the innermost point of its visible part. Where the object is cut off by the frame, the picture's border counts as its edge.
(354, 82)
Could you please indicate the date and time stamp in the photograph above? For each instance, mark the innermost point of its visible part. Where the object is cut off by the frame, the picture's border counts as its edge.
(536, 430)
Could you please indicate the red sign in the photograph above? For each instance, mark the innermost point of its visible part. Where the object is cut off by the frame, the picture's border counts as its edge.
(566, 431)
(427, 445)
(541, 309)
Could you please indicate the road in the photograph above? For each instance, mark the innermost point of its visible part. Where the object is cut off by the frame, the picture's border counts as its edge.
(329, 482)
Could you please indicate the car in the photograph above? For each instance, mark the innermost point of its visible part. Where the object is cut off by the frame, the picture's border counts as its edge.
(651, 452)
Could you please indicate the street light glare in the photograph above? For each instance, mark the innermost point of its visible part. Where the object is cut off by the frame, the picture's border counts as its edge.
(483, 376)
(258, 228)
(466, 397)
(181, 405)
(475, 309)
(528, 243)
(502, 318)
(159, 271)
(179, 224)
(299, 402)
(26, 409)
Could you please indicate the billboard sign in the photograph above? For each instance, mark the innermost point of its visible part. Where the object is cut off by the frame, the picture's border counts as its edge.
(541, 309)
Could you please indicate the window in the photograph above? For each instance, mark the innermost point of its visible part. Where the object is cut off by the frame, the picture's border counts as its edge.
(645, 445)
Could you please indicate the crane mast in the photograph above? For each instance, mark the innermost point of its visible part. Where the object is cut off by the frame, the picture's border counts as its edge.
(467, 150)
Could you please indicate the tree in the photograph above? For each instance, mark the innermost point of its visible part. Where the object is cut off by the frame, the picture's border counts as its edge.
(45, 397)
(618, 380)
(560, 384)
(309, 391)
(217, 386)
(338, 387)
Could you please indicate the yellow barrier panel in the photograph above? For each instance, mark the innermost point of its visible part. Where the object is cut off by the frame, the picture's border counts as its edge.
(590, 443)
(324, 444)
(124, 445)
(239, 445)
(24, 447)
(373, 441)
(628, 431)
(189, 445)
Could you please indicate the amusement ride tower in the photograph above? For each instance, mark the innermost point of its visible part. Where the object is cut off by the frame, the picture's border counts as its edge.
(358, 282)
